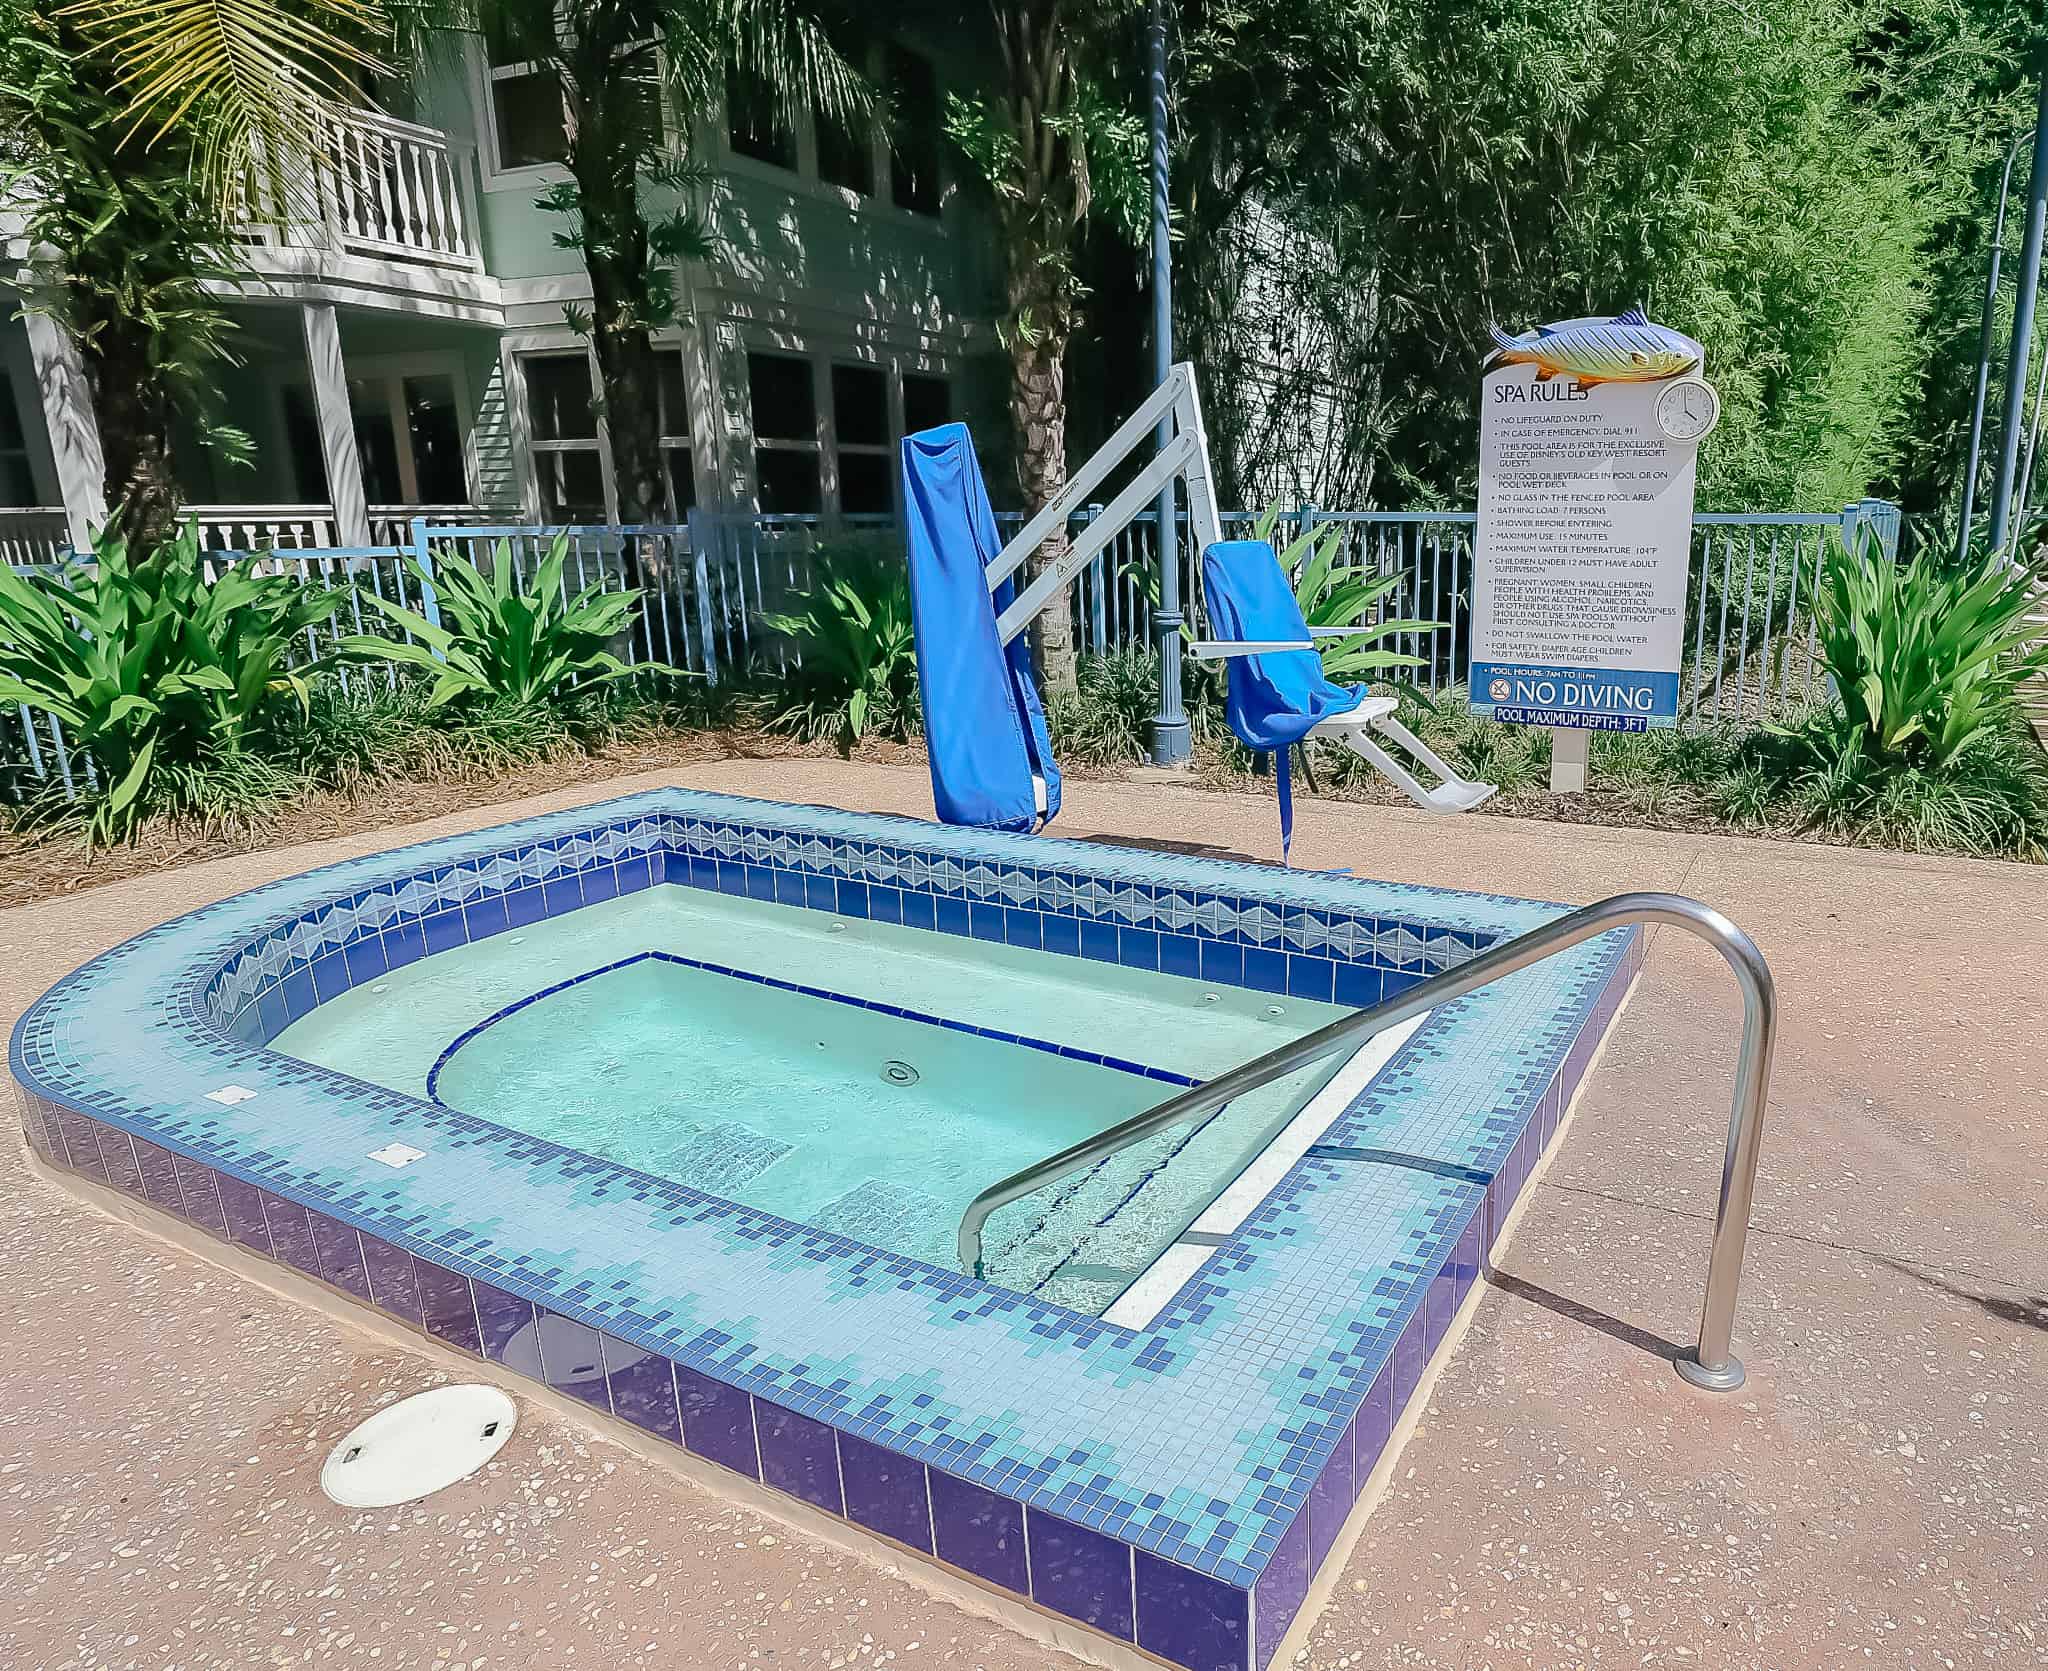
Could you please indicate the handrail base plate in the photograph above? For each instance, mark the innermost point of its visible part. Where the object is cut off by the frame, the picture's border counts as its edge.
(1725, 1379)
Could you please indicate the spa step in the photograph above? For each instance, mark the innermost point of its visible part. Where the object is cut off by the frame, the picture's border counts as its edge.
(893, 1216)
(723, 1158)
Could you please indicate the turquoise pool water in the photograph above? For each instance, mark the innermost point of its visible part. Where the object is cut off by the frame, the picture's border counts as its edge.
(737, 1047)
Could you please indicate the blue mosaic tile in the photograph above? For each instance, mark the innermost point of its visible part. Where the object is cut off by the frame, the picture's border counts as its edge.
(1206, 1461)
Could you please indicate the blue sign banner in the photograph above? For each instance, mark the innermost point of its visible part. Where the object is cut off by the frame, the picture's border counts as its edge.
(1575, 698)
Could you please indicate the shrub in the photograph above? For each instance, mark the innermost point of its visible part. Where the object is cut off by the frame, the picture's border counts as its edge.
(857, 644)
(1331, 595)
(157, 677)
(1925, 658)
(501, 641)
(1106, 720)
(354, 740)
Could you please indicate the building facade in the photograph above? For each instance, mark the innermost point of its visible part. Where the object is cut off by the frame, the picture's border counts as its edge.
(405, 347)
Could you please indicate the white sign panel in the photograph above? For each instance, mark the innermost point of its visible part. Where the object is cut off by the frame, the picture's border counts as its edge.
(1585, 525)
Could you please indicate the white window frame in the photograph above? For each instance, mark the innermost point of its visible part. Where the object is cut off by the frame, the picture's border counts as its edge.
(892, 429)
(682, 441)
(485, 78)
(698, 440)
(598, 443)
(822, 355)
(818, 446)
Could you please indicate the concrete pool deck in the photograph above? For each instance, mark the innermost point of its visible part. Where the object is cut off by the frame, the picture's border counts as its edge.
(1873, 1495)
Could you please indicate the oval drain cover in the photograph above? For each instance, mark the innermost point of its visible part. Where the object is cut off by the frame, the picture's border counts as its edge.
(899, 1073)
(415, 1447)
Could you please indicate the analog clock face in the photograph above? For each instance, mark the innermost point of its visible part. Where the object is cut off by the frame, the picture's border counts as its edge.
(1687, 409)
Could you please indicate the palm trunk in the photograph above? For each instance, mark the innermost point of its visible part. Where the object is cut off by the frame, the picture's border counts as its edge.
(616, 256)
(133, 406)
(1038, 416)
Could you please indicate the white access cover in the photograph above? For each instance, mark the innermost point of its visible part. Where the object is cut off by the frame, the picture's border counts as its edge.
(418, 1445)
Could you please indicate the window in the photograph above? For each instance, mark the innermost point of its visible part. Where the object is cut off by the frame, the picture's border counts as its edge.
(860, 422)
(409, 434)
(927, 402)
(526, 101)
(433, 435)
(846, 155)
(566, 450)
(915, 137)
(376, 444)
(17, 480)
(754, 126)
(786, 450)
(678, 461)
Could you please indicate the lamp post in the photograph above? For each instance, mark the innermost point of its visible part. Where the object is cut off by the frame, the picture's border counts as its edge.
(2022, 319)
(1984, 334)
(1172, 742)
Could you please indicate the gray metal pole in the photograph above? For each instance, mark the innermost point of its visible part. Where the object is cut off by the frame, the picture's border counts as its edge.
(1984, 335)
(1172, 741)
(2022, 321)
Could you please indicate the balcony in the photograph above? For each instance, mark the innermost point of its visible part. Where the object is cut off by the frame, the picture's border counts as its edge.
(382, 189)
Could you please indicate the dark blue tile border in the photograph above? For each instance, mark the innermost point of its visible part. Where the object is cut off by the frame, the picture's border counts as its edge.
(1165, 1076)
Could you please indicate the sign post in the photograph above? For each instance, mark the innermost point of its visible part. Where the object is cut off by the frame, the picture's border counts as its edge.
(1588, 438)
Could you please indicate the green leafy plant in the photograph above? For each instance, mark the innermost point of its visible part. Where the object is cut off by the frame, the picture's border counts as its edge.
(858, 671)
(1334, 594)
(155, 675)
(1926, 659)
(1106, 720)
(501, 640)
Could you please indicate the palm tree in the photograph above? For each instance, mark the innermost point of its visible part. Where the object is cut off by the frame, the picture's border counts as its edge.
(128, 131)
(1051, 148)
(618, 67)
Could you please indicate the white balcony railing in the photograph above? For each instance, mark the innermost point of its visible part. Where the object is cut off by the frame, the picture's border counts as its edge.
(381, 187)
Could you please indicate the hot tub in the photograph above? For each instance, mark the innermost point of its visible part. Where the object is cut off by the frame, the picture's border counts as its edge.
(674, 1103)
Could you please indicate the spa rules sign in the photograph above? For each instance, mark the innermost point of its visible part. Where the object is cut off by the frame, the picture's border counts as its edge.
(1588, 437)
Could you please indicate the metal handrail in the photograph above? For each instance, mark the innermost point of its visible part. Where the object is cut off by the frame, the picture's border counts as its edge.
(1711, 1365)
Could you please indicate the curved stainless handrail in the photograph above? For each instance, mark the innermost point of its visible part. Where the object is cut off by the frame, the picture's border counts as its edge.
(1712, 1365)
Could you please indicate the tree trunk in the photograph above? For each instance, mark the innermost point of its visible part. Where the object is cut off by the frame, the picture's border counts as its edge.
(1038, 415)
(133, 406)
(616, 256)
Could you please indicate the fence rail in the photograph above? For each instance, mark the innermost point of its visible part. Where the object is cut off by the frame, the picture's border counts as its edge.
(710, 583)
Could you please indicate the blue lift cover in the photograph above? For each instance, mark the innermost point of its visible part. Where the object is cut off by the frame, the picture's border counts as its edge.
(984, 728)
(1280, 696)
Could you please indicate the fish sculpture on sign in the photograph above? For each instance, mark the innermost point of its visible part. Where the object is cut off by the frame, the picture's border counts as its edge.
(1625, 349)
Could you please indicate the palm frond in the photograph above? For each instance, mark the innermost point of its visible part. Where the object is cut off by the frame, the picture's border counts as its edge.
(253, 79)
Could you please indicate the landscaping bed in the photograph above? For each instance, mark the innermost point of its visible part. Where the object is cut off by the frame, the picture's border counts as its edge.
(197, 730)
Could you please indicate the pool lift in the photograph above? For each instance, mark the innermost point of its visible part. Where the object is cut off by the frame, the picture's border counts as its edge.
(991, 757)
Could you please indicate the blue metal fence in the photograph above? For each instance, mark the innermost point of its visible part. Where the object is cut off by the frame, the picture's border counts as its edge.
(711, 581)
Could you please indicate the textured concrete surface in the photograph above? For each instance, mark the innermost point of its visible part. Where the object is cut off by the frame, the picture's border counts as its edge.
(1874, 1495)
